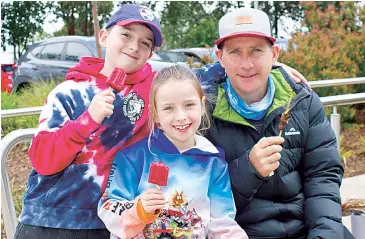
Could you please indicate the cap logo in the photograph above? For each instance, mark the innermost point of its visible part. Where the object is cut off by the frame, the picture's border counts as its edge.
(147, 14)
(243, 20)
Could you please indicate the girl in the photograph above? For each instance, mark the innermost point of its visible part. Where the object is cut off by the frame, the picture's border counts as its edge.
(197, 201)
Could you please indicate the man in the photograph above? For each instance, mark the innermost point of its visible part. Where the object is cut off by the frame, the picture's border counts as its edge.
(284, 187)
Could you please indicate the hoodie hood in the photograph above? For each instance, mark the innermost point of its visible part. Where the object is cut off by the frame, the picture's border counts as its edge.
(202, 147)
(89, 69)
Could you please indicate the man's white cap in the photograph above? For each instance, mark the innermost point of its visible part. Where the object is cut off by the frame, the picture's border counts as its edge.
(244, 22)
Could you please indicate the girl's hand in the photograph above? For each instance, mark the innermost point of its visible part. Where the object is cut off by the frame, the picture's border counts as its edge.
(294, 74)
(152, 200)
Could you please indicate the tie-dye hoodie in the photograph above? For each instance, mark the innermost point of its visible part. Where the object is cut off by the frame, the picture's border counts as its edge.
(71, 154)
(200, 203)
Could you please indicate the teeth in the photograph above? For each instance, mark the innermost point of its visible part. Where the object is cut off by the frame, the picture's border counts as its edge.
(181, 127)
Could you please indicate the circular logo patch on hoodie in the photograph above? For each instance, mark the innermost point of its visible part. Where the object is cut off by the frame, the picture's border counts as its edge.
(133, 106)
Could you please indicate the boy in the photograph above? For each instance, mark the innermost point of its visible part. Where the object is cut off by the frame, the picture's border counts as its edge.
(83, 125)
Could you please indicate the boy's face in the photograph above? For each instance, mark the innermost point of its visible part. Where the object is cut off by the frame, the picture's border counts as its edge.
(127, 47)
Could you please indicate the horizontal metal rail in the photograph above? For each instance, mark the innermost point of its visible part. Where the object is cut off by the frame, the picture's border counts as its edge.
(348, 99)
(327, 101)
(21, 112)
(337, 82)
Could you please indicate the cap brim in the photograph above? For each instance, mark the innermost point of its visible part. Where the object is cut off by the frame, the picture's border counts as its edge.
(247, 34)
(157, 34)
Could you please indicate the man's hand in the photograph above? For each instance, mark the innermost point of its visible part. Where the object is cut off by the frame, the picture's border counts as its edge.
(153, 199)
(294, 74)
(101, 105)
(265, 155)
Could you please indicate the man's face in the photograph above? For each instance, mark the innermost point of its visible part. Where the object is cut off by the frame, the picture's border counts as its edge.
(248, 62)
(127, 47)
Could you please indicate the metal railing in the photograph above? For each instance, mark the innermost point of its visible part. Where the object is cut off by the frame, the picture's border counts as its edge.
(24, 135)
(7, 202)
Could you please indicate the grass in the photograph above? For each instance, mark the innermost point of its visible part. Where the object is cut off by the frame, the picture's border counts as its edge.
(33, 96)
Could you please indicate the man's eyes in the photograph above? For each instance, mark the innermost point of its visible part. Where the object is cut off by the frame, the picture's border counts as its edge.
(235, 51)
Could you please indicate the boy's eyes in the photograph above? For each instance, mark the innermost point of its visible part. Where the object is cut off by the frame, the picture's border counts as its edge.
(146, 44)
(126, 35)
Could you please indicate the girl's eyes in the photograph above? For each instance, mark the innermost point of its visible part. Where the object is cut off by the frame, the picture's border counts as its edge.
(190, 105)
(168, 108)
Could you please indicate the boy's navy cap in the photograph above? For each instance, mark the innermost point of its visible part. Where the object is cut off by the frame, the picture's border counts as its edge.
(132, 13)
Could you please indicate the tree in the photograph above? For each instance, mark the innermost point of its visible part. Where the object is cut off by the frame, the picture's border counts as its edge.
(77, 16)
(332, 47)
(20, 21)
(279, 9)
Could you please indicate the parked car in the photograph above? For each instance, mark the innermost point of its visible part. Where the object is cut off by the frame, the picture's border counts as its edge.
(172, 56)
(282, 43)
(7, 77)
(54, 56)
(7, 67)
(198, 54)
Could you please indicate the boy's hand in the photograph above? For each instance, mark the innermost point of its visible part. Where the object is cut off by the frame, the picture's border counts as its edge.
(294, 74)
(101, 105)
(153, 199)
(265, 155)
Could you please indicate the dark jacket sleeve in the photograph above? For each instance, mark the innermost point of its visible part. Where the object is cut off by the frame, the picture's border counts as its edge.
(245, 180)
(323, 173)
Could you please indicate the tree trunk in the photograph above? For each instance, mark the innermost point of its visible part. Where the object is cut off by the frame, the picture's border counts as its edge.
(71, 26)
(96, 26)
(86, 19)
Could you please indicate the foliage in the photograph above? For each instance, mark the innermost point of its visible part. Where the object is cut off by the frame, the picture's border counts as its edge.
(33, 96)
(19, 21)
(77, 16)
(331, 48)
(281, 9)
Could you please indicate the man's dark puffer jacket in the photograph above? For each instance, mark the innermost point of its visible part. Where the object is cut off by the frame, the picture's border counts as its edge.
(302, 198)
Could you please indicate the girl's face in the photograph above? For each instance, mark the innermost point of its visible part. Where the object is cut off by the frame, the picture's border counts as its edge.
(179, 111)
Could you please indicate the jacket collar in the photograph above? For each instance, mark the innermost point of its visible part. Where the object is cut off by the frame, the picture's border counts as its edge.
(285, 89)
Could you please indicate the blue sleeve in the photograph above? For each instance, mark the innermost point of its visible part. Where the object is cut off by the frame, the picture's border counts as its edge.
(222, 223)
(118, 206)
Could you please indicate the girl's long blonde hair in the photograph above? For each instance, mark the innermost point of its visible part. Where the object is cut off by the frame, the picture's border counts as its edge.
(179, 73)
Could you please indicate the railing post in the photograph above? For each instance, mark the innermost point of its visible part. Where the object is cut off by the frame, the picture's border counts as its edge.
(336, 125)
(7, 202)
(358, 225)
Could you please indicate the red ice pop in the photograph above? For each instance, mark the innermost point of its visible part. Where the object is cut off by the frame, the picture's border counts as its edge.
(159, 173)
(117, 79)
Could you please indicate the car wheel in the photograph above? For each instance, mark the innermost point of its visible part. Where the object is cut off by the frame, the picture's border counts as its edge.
(22, 87)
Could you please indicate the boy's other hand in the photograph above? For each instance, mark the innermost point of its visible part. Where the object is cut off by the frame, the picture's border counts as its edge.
(152, 200)
(265, 155)
(294, 74)
(101, 105)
